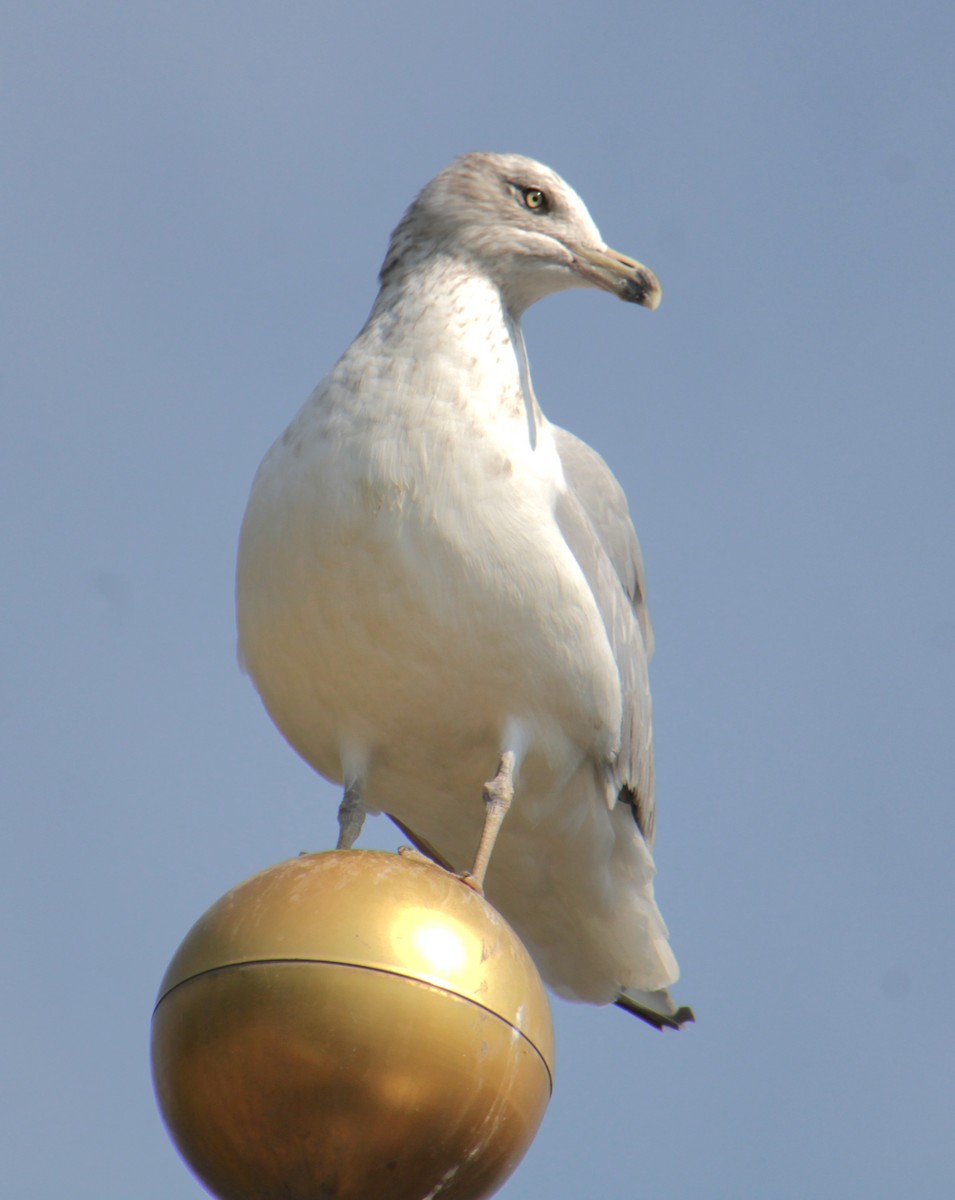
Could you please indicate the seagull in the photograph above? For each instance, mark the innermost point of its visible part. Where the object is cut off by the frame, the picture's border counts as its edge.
(440, 594)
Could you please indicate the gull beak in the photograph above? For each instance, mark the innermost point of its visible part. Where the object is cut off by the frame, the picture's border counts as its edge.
(625, 277)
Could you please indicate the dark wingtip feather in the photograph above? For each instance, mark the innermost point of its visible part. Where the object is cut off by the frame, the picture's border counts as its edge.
(421, 845)
(682, 1016)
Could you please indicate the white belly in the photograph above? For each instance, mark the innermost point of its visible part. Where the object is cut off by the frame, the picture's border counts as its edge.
(401, 633)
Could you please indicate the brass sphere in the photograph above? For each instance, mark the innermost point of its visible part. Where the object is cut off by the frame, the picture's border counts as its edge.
(352, 1024)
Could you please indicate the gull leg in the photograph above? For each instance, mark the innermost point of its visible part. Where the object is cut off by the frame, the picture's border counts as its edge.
(498, 794)
(351, 817)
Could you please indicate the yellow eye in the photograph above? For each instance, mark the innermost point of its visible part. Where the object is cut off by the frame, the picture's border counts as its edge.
(534, 198)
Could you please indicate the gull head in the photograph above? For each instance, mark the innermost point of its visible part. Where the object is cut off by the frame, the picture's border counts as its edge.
(517, 223)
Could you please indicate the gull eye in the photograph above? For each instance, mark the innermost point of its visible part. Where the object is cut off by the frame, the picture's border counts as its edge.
(535, 199)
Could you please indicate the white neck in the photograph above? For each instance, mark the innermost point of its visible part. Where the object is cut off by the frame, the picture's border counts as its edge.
(441, 336)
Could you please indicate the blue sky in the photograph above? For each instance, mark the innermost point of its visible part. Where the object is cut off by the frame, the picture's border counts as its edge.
(196, 200)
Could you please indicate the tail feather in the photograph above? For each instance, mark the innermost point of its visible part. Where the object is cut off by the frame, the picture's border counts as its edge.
(656, 1008)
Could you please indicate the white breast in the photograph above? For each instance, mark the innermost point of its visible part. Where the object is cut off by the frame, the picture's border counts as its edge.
(400, 567)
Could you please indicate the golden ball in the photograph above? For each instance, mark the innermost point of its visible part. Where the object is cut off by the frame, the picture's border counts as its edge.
(352, 1024)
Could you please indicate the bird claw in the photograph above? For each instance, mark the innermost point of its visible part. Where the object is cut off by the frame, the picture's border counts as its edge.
(466, 877)
(471, 881)
(411, 852)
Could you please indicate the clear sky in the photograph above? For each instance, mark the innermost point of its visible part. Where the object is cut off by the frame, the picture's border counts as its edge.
(196, 200)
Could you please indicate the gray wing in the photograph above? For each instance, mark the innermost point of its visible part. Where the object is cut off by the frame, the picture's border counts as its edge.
(594, 518)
